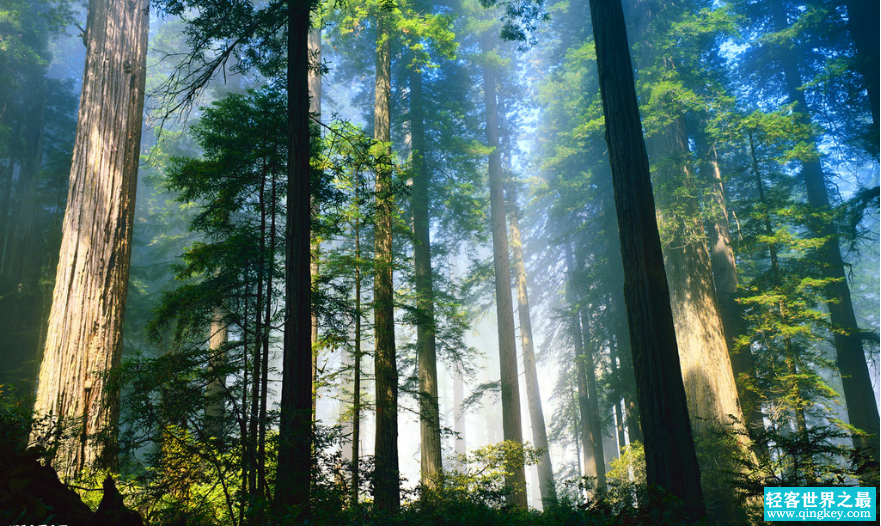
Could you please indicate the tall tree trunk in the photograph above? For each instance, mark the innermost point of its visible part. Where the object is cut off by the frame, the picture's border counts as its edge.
(387, 494)
(426, 353)
(85, 326)
(593, 403)
(724, 269)
(295, 427)
(589, 435)
(669, 450)
(512, 429)
(315, 249)
(862, 410)
(533, 395)
(356, 384)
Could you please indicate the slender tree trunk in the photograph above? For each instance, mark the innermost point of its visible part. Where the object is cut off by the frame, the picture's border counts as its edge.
(533, 395)
(862, 410)
(458, 400)
(295, 428)
(593, 405)
(387, 494)
(264, 387)
(512, 427)
(85, 327)
(356, 387)
(315, 249)
(589, 436)
(669, 450)
(426, 353)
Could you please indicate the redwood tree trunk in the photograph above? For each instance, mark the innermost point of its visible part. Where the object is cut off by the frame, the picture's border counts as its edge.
(426, 352)
(84, 340)
(387, 494)
(295, 426)
(511, 424)
(533, 395)
(669, 450)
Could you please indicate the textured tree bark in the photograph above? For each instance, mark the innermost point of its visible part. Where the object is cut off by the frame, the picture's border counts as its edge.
(84, 340)
(386, 487)
(669, 450)
(724, 270)
(533, 395)
(511, 424)
(293, 477)
(426, 352)
(862, 411)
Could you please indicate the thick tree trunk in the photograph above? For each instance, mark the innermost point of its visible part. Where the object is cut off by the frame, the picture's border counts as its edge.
(85, 326)
(533, 395)
(387, 494)
(295, 427)
(669, 450)
(426, 353)
(511, 424)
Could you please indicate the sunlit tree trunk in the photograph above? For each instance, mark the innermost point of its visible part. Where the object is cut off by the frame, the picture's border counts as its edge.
(215, 393)
(315, 110)
(386, 478)
(426, 353)
(292, 486)
(724, 269)
(511, 424)
(862, 411)
(84, 340)
(669, 450)
(533, 395)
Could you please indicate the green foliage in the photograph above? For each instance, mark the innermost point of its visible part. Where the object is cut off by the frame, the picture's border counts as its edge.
(482, 472)
(816, 456)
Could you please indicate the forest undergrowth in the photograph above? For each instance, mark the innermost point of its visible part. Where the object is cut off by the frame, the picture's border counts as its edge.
(189, 482)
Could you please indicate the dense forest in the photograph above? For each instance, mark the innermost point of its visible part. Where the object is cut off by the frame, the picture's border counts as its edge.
(458, 262)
